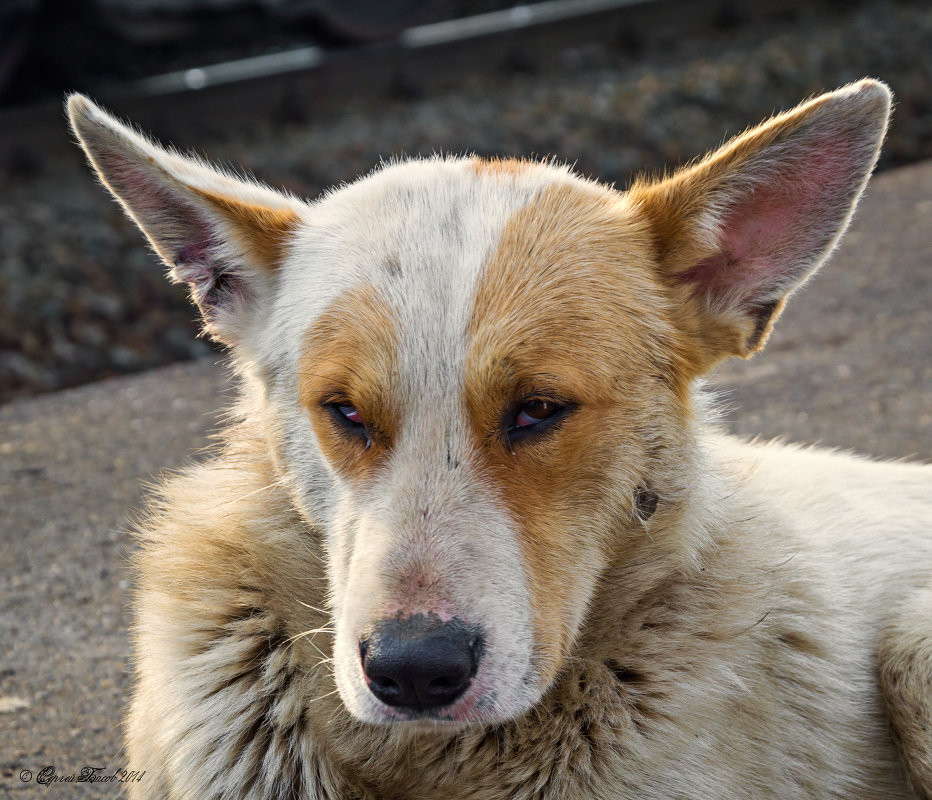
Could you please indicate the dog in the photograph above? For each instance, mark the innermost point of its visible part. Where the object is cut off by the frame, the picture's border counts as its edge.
(472, 531)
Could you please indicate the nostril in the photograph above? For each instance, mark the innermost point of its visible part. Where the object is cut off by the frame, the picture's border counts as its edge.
(383, 686)
(385, 683)
(420, 662)
(443, 691)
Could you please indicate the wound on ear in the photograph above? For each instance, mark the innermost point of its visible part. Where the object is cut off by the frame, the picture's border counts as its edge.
(645, 503)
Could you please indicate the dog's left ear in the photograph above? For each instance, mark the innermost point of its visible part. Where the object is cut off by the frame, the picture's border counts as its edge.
(223, 236)
(737, 232)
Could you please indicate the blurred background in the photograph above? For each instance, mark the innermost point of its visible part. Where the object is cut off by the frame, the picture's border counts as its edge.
(309, 93)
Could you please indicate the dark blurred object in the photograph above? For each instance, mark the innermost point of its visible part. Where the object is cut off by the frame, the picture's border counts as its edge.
(61, 40)
(16, 18)
(361, 21)
(49, 46)
(349, 21)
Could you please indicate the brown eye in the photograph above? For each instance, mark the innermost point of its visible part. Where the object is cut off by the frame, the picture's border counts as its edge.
(535, 416)
(534, 411)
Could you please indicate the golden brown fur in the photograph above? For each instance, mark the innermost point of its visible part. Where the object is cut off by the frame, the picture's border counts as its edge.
(529, 313)
(342, 361)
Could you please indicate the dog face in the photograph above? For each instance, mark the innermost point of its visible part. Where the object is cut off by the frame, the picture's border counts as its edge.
(475, 376)
(491, 346)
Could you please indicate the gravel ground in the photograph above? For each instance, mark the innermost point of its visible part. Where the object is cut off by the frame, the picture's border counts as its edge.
(82, 299)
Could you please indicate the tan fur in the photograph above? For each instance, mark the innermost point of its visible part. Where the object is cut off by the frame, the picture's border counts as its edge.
(713, 649)
(905, 658)
(570, 268)
(501, 167)
(263, 232)
(762, 630)
(348, 356)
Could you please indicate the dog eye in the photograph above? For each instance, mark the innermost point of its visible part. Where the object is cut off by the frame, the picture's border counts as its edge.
(348, 416)
(534, 416)
(534, 411)
(350, 413)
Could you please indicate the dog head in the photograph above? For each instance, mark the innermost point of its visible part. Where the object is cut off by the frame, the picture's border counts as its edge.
(476, 375)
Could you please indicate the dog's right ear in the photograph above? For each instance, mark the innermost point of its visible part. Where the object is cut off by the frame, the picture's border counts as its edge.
(223, 236)
(738, 231)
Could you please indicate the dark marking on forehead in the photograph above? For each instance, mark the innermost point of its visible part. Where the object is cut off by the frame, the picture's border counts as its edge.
(392, 266)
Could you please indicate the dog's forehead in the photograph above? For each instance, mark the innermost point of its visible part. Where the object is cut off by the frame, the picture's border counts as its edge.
(440, 251)
(429, 223)
(414, 234)
(404, 227)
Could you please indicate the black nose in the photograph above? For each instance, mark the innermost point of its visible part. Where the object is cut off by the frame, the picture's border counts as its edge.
(420, 662)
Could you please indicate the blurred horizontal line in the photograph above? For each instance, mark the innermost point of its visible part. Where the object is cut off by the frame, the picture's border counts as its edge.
(521, 16)
(230, 71)
(433, 35)
(292, 83)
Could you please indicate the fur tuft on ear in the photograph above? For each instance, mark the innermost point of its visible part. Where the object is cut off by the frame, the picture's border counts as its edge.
(738, 231)
(222, 236)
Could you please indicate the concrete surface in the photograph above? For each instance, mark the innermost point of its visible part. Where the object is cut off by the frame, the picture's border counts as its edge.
(849, 365)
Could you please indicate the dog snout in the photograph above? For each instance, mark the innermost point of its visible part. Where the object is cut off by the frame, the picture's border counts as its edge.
(420, 662)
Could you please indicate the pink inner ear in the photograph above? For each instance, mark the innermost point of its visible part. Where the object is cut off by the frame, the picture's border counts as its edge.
(750, 258)
(771, 237)
(182, 233)
(212, 286)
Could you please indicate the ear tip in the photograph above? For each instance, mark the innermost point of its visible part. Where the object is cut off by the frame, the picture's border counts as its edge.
(94, 127)
(875, 90)
(77, 104)
(871, 95)
(81, 110)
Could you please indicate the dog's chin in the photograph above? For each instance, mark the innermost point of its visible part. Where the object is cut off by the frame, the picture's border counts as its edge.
(421, 723)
